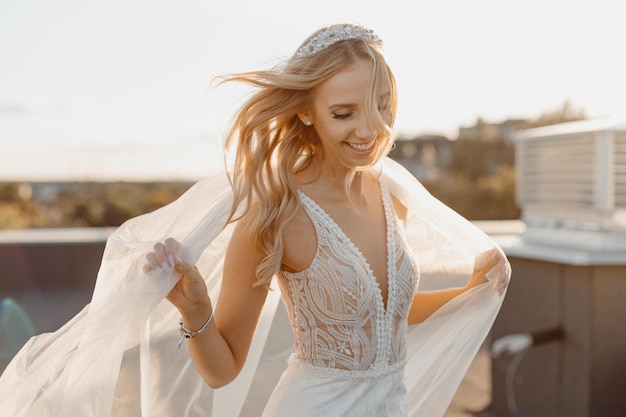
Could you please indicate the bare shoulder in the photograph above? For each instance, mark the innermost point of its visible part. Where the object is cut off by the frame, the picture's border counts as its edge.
(243, 243)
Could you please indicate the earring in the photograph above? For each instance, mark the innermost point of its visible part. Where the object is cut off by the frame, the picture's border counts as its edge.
(308, 123)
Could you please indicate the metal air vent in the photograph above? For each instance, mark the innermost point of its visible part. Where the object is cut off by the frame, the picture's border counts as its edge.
(572, 177)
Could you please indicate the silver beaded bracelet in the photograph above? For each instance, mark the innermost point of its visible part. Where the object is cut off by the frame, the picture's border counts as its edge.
(188, 334)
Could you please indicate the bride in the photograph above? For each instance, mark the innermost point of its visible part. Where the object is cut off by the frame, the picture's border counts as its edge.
(311, 211)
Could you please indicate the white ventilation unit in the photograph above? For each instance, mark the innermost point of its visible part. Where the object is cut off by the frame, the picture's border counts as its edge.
(571, 184)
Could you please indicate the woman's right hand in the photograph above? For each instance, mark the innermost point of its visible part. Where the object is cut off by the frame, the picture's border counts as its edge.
(190, 292)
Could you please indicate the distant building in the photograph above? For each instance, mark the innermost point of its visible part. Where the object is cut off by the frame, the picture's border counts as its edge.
(425, 156)
(493, 132)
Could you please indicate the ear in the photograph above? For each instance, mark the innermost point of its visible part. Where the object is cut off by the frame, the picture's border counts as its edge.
(305, 116)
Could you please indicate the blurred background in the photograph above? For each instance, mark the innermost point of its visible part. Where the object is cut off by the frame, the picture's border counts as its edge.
(510, 112)
(93, 93)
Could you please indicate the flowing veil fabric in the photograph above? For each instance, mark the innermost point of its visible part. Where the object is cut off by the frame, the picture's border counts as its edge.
(118, 356)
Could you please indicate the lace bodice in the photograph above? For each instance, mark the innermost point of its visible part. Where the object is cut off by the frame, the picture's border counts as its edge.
(336, 308)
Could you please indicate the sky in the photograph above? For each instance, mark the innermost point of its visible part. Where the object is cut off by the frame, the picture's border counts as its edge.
(123, 87)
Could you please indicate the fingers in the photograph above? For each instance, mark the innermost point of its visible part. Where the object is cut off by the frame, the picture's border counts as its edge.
(152, 262)
(162, 254)
(493, 260)
(497, 270)
(171, 247)
(487, 260)
(186, 269)
(491, 266)
(501, 287)
(504, 280)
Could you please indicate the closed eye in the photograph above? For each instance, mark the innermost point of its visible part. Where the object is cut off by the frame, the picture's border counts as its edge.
(342, 115)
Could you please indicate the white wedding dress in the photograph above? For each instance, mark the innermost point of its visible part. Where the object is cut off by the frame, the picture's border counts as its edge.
(118, 356)
(349, 342)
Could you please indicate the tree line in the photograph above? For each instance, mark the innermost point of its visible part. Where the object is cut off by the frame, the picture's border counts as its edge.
(478, 182)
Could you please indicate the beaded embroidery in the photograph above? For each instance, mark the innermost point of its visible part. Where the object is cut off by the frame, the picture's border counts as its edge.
(335, 34)
(336, 308)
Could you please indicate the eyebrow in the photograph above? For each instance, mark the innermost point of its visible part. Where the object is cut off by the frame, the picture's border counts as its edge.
(342, 106)
(383, 96)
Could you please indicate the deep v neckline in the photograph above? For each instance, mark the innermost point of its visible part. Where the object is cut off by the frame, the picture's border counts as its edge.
(384, 301)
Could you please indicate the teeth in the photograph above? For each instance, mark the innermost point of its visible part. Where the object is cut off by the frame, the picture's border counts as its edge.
(361, 146)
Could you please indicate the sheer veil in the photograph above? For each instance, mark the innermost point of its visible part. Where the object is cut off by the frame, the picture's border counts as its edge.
(118, 356)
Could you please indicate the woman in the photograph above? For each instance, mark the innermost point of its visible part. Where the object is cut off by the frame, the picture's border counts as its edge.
(347, 235)
(316, 215)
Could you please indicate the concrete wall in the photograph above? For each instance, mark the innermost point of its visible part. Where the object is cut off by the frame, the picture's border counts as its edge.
(583, 375)
(53, 265)
(50, 273)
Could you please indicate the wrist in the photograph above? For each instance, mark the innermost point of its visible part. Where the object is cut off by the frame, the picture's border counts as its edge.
(194, 315)
(475, 281)
(186, 333)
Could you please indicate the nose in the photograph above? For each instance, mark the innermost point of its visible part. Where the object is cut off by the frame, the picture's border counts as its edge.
(364, 130)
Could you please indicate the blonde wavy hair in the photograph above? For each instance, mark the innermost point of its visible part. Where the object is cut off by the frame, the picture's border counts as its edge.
(272, 144)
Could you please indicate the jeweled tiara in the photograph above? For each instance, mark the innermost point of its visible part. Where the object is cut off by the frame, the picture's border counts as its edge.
(337, 33)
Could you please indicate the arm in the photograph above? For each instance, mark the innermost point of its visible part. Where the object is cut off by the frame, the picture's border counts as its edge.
(426, 303)
(219, 353)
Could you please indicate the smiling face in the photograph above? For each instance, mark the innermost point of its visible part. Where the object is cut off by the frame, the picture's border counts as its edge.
(344, 124)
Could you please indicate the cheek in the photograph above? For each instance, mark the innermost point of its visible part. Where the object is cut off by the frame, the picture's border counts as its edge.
(333, 132)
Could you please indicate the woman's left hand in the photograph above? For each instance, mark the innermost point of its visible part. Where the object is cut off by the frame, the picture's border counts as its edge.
(487, 262)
